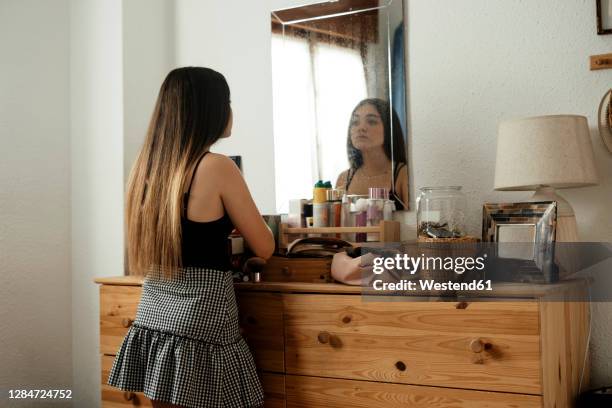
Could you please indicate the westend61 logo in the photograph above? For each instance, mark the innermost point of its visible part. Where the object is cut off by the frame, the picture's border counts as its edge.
(405, 263)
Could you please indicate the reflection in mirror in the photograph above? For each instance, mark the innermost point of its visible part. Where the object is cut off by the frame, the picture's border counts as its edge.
(339, 99)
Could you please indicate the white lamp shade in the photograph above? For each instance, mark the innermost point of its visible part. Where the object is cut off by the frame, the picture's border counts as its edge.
(553, 151)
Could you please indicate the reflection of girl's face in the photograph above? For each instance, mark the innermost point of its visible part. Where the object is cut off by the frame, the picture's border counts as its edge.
(367, 130)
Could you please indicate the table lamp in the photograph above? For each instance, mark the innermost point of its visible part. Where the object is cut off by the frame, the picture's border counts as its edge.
(545, 153)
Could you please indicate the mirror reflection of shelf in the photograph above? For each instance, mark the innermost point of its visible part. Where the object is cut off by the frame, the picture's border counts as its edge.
(389, 231)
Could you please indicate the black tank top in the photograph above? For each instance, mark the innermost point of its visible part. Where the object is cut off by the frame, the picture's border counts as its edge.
(205, 244)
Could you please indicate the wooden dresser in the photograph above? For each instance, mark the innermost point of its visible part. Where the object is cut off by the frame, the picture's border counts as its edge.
(324, 345)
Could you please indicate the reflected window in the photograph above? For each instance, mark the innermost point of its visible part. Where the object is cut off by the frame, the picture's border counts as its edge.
(322, 81)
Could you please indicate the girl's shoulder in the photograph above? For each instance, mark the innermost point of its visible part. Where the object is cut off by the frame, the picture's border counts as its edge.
(214, 171)
(401, 170)
(216, 159)
(217, 163)
(341, 181)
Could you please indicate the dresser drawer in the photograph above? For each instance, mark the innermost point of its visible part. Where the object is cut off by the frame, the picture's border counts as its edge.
(281, 269)
(491, 346)
(314, 392)
(118, 306)
(114, 397)
(261, 318)
(274, 389)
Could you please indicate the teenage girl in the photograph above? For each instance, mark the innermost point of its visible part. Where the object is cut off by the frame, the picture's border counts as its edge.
(184, 348)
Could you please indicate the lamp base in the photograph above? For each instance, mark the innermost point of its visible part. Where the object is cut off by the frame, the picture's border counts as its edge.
(567, 229)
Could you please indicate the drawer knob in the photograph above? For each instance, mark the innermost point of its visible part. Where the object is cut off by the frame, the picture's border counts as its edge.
(128, 395)
(323, 337)
(400, 365)
(335, 341)
(461, 305)
(478, 345)
(286, 271)
(127, 322)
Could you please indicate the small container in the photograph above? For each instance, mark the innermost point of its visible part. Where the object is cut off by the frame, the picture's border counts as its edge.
(334, 201)
(345, 218)
(320, 207)
(350, 211)
(376, 205)
(388, 210)
(441, 213)
(319, 194)
(296, 213)
(361, 218)
(256, 277)
(320, 214)
(308, 221)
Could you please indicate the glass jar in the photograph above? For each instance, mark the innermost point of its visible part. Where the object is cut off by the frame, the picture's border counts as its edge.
(441, 212)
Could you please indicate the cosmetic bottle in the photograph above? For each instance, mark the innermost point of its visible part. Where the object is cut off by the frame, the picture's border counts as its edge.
(376, 205)
(388, 210)
(334, 202)
(319, 193)
(345, 218)
(320, 212)
(361, 218)
(309, 222)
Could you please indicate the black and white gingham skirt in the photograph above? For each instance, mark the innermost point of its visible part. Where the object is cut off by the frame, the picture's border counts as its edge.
(185, 346)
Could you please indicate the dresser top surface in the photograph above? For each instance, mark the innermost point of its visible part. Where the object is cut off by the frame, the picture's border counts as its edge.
(519, 290)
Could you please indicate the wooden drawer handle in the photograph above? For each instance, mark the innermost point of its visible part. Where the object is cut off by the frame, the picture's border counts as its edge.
(333, 340)
(127, 322)
(478, 345)
(286, 271)
(400, 365)
(128, 395)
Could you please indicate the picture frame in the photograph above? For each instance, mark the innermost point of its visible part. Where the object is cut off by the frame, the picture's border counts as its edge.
(604, 16)
(523, 235)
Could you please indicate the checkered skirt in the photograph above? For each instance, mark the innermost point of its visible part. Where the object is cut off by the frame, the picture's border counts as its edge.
(185, 346)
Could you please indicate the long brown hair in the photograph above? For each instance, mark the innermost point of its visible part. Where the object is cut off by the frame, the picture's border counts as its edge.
(191, 113)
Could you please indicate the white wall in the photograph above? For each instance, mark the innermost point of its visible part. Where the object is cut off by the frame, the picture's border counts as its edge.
(35, 280)
(148, 55)
(96, 115)
(233, 37)
(473, 63)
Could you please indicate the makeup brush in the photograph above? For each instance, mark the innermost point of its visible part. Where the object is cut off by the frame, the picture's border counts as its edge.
(253, 267)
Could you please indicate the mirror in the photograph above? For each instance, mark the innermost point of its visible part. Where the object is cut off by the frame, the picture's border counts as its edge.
(339, 99)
